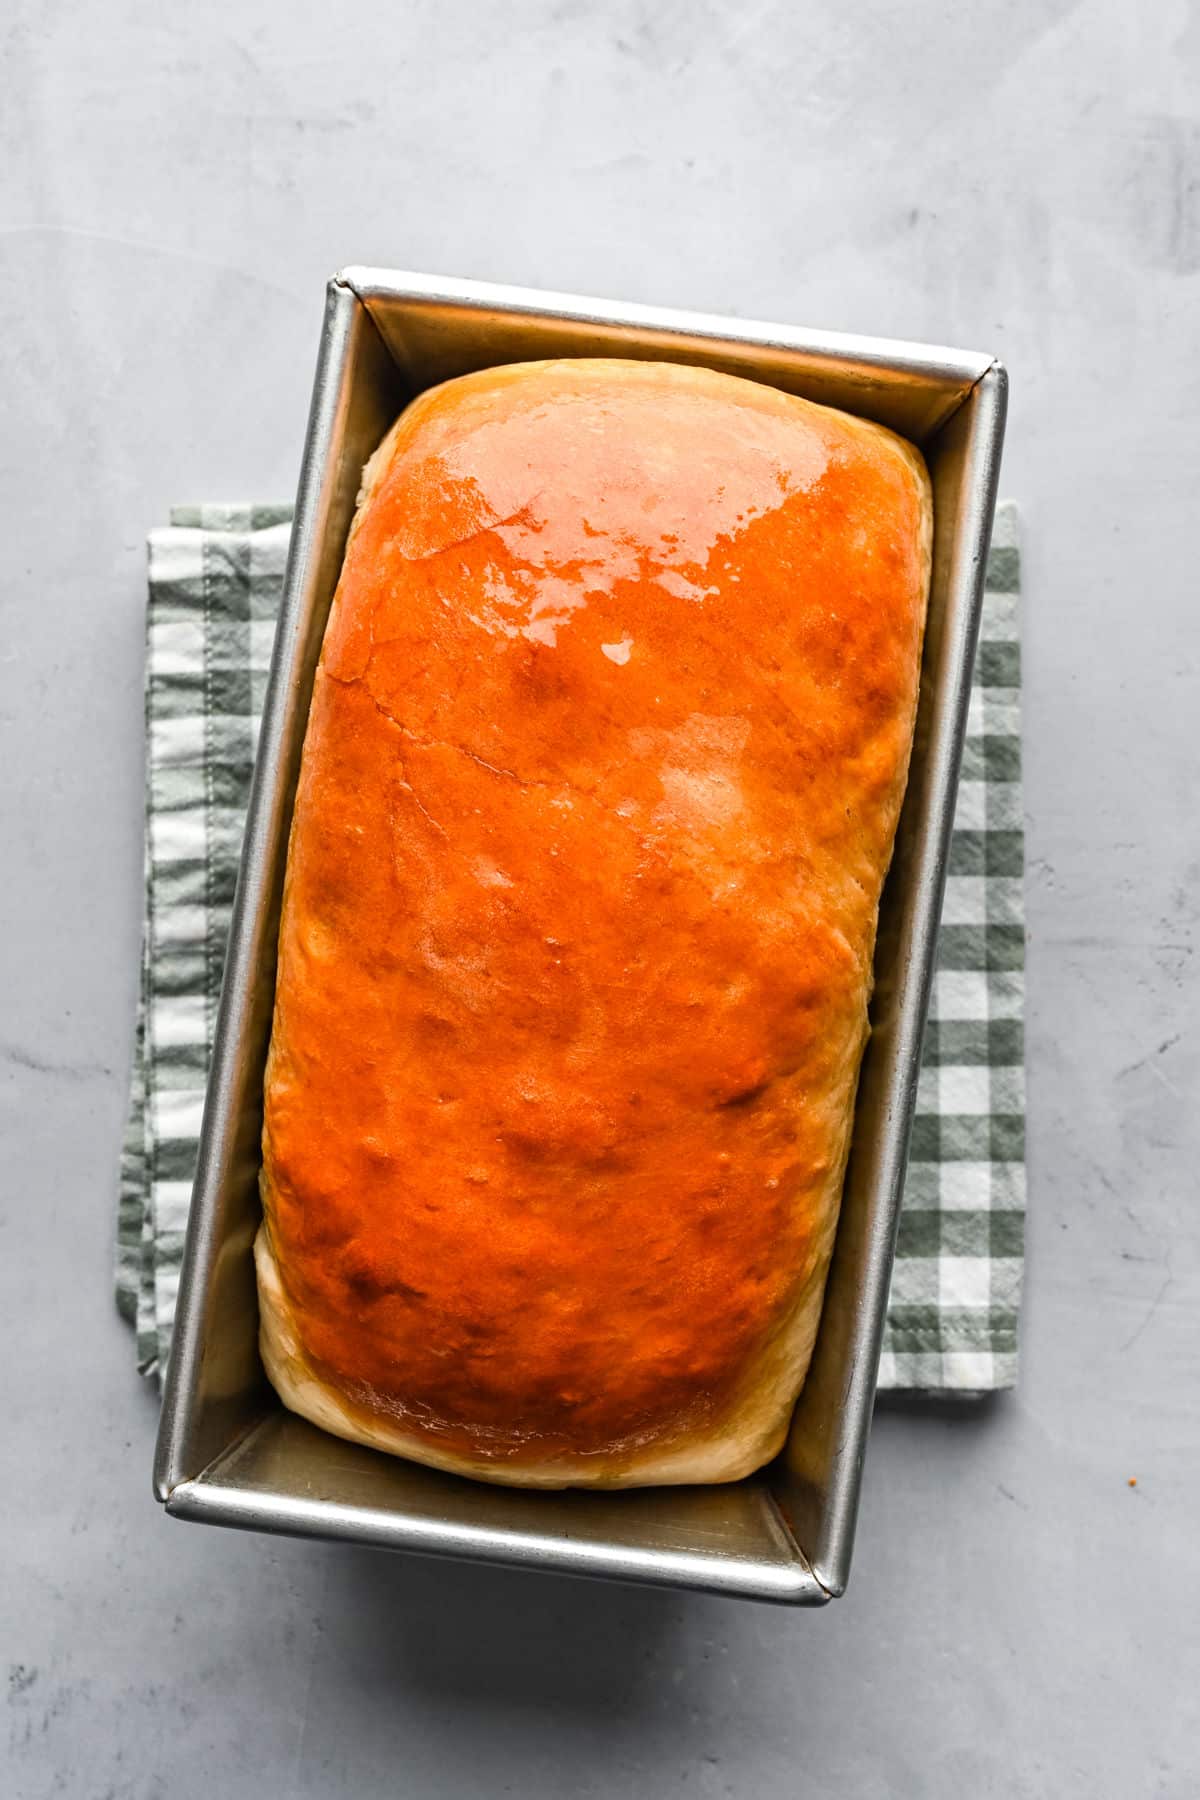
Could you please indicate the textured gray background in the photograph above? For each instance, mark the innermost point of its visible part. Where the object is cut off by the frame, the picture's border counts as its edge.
(1024, 177)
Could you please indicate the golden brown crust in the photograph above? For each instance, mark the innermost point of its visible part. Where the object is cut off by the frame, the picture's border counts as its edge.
(605, 757)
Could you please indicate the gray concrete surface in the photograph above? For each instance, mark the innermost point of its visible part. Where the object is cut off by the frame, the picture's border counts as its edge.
(1020, 175)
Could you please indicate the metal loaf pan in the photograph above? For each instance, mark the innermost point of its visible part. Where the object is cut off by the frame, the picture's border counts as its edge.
(227, 1452)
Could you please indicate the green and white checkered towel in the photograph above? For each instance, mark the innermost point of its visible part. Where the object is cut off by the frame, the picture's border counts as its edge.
(216, 575)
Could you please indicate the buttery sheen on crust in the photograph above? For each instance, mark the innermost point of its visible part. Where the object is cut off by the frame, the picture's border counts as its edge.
(603, 768)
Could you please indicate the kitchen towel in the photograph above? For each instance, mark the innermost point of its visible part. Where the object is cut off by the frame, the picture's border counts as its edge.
(216, 576)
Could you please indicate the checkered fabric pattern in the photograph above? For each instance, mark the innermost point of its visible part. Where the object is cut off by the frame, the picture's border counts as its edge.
(956, 1285)
(216, 576)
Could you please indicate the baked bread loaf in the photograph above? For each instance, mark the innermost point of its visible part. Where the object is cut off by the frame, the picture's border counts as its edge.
(602, 773)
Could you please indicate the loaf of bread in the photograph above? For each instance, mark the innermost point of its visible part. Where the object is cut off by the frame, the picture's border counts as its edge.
(603, 768)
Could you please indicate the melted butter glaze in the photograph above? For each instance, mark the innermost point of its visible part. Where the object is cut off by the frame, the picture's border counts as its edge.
(602, 773)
